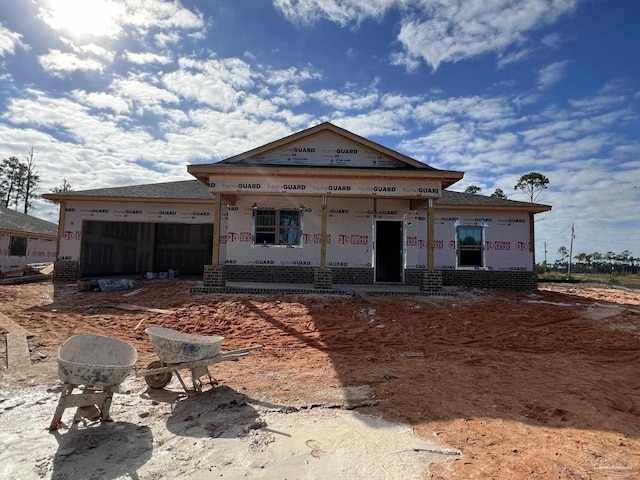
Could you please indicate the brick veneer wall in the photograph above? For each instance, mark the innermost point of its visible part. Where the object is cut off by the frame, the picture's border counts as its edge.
(431, 281)
(268, 274)
(353, 276)
(322, 279)
(517, 280)
(413, 276)
(291, 274)
(66, 270)
(69, 271)
(214, 276)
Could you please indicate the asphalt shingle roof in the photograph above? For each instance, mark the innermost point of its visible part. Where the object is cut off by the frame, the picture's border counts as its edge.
(20, 222)
(186, 189)
(474, 200)
(196, 190)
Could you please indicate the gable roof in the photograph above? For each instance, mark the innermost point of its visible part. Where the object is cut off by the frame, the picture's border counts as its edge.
(279, 159)
(190, 190)
(13, 221)
(337, 131)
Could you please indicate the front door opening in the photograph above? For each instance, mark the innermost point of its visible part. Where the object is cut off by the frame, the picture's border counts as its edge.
(389, 251)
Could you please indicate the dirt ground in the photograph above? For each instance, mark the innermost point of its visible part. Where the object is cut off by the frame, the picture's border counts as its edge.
(504, 385)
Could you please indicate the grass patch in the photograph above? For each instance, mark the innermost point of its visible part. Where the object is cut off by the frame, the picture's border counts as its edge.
(631, 281)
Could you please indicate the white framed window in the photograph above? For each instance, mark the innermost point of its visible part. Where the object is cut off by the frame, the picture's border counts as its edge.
(17, 246)
(277, 227)
(470, 246)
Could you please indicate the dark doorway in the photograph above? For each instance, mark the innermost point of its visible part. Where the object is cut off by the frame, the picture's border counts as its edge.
(389, 251)
(127, 248)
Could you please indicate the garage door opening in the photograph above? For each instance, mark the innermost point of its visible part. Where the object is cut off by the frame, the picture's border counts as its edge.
(128, 248)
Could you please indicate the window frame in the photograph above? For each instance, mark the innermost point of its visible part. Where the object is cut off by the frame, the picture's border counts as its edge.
(277, 228)
(475, 250)
(13, 239)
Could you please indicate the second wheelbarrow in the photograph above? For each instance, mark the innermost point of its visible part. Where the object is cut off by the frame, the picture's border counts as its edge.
(183, 351)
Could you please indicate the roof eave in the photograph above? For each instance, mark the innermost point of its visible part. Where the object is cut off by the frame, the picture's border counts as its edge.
(203, 172)
(533, 208)
(29, 233)
(106, 198)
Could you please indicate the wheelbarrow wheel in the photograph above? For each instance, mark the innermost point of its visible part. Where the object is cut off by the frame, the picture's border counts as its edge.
(158, 380)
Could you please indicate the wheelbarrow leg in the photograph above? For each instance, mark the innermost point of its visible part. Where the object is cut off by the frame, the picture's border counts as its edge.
(184, 385)
(62, 404)
(106, 405)
(100, 398)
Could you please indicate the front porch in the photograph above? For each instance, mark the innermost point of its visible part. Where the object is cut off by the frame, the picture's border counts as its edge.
(259, 288)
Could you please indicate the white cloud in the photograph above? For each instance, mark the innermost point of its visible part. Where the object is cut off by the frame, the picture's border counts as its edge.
(514, 57)
(403, 59)
(345, 101)
(165, 39)
(290, 75)
(437, 31)
(9, 41)
(59, 63)
(552, 40)
(142, 92)
(463, 29)
(98, 51)
(342, 12)
(597, 103)
(551, 74)
(159, 14)
(146, 58)
(291, 95)
(219, 83)
(376, 122)
(101, 101)
(492, 112)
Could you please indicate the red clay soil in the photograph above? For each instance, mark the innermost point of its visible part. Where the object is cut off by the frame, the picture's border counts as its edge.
(526, 385)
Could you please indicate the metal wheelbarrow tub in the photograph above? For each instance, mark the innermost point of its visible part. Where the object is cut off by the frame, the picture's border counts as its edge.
(173, 346)
(95, 360)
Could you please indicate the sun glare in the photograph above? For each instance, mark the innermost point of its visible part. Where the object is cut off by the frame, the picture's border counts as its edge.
(83, 17)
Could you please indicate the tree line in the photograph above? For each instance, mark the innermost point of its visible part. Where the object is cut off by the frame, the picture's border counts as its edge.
(532, 184)
(19, 181)
(610, 262)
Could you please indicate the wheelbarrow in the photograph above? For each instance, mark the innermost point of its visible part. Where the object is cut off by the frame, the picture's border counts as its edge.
(96, 365)
(183, 351)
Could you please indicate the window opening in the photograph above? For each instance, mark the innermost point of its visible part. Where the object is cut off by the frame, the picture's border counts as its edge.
(470, 246)
(17, 246)
(277, 227)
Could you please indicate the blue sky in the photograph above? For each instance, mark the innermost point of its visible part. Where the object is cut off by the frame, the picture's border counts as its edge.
(122, 93)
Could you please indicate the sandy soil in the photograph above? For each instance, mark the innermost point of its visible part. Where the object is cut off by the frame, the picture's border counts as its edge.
(480, 384)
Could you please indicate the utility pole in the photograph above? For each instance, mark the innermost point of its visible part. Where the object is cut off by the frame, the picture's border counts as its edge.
(545, 256)
(570, 250)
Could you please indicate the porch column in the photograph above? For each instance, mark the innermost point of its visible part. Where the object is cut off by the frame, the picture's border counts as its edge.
(532, 240)
(323, 233)
(217, 215)
(430, 234)
(214, 273)
(323, 277)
